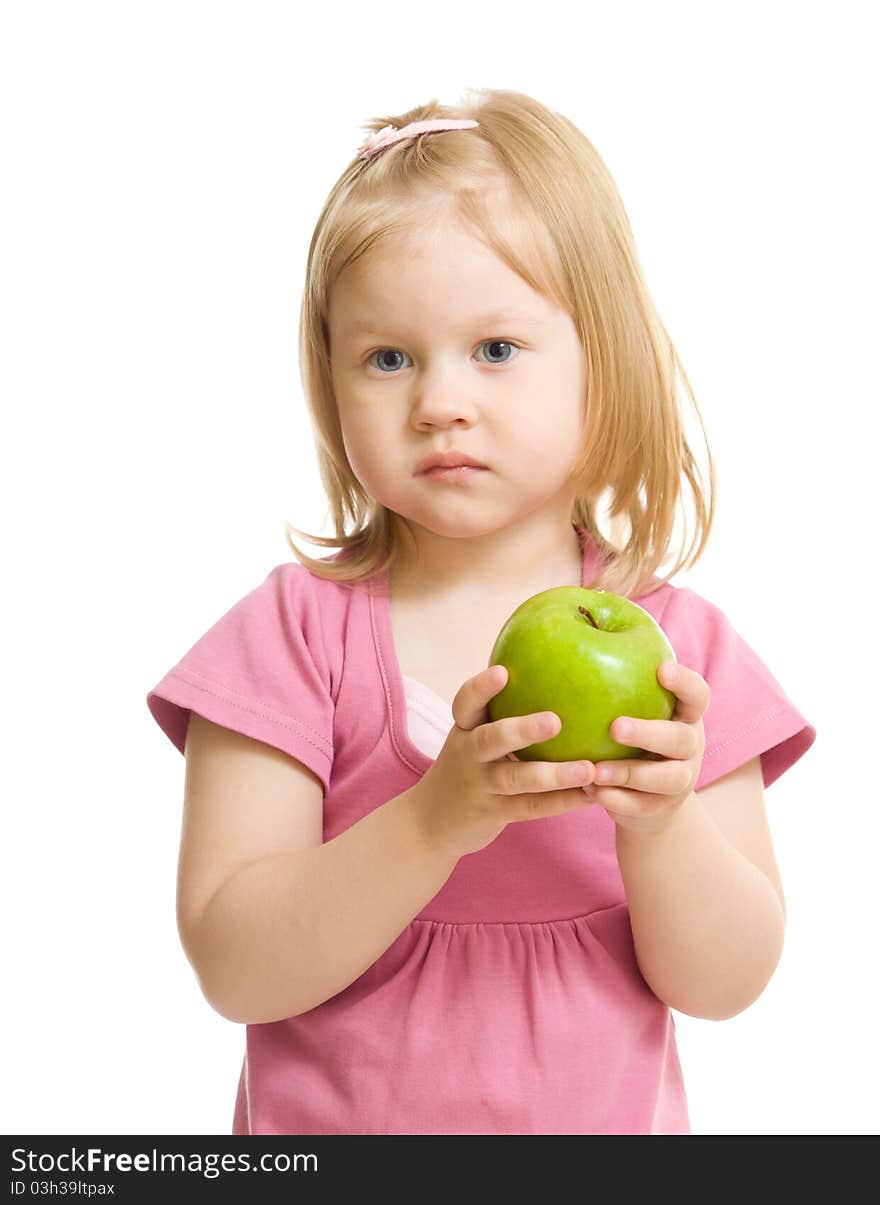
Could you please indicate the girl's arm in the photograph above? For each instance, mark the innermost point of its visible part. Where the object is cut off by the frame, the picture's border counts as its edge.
(708, 925)
(288, 932)
(272, 921)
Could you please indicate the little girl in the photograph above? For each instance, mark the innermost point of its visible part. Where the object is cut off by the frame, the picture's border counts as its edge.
(422, 933)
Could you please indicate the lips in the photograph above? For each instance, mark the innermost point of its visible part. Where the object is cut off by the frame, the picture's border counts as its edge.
(452, 459)
(458, 472)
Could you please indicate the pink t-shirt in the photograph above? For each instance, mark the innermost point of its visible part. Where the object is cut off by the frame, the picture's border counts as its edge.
(429, 718)
(513, 1003)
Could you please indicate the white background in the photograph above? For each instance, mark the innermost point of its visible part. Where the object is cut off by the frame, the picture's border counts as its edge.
(164, 165)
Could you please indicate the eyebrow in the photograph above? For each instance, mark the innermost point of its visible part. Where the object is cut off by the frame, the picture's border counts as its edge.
(370, 326)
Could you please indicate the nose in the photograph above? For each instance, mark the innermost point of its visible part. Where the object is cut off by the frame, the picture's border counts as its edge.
(442, 397)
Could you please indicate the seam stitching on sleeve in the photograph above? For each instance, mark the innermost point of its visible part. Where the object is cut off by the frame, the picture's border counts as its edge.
(773, 713)
(263, 713)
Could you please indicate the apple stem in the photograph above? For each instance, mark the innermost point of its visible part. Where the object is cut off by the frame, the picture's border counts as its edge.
(584, 611)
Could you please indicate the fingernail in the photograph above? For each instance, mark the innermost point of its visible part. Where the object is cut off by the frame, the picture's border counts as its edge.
(670, 673)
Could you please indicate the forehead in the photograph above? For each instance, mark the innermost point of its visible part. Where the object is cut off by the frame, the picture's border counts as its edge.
(440, 275)
(366, 324)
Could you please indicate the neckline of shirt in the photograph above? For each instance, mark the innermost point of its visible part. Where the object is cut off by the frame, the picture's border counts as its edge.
(389, 666)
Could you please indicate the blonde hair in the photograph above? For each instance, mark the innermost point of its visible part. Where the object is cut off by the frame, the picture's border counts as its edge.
(566, 233)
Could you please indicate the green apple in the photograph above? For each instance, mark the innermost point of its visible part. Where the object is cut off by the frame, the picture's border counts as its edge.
(589, 656)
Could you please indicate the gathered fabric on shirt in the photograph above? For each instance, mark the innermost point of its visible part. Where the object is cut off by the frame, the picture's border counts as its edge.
(513, 1003)
(534, 1002)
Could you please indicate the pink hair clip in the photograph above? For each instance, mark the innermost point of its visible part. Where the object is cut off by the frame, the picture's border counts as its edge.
(389, 134)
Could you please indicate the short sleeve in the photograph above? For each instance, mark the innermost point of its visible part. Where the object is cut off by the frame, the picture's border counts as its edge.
(261, 670)
(749, 714)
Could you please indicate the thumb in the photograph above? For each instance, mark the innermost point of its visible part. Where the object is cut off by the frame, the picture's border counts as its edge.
(469, 705)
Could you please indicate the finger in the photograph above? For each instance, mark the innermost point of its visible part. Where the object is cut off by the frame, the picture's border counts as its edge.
(651, 777)
(518, 777)
(469, 704)
(628, 808)
(546, 803)
(669, 738)
(500, 737)
(690, 689)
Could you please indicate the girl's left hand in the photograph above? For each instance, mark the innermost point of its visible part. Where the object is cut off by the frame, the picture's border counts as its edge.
(645, 795)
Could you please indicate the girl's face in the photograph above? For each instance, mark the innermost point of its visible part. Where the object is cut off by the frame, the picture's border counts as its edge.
(437, 345)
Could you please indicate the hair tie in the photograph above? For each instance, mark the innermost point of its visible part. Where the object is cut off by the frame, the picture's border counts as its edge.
(389, 134)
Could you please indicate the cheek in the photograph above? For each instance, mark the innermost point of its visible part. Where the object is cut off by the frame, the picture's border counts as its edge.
(356, 442)
(549, 427)
(546, 440)
(361, 455)
(369, 452)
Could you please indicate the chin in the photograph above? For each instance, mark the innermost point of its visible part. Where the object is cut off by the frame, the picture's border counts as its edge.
(459, 527)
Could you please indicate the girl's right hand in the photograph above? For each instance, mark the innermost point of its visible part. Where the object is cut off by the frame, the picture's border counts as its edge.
(476, 787)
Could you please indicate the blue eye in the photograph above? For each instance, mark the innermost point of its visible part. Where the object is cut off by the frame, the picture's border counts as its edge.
(497, 343)
(383, 351)
(387, 352)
